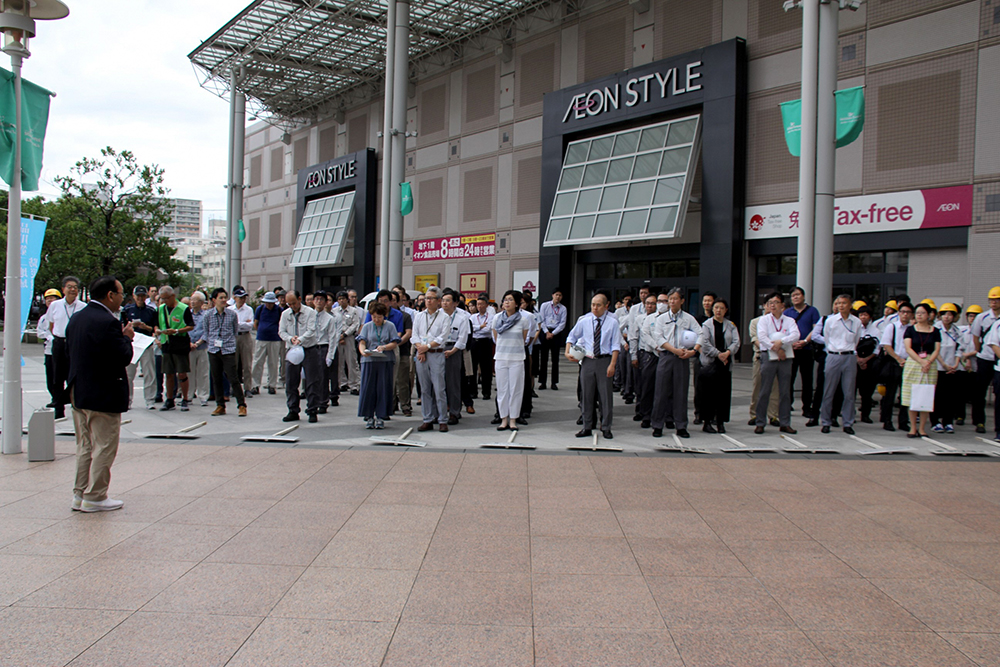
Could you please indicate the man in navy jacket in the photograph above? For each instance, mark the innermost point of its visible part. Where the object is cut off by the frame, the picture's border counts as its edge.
(100, 350)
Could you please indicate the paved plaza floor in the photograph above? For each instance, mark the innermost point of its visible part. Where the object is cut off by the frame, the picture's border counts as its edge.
(334, 551)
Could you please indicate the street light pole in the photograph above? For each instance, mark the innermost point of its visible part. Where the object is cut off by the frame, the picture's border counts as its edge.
(17, 22)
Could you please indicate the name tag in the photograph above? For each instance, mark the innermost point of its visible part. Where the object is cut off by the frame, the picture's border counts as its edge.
(217, 343)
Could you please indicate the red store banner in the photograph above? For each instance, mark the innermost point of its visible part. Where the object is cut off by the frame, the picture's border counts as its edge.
(455, 247)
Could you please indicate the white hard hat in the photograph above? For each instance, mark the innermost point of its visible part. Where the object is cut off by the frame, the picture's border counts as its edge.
(689, 339)
(296, 355)
(577, 352)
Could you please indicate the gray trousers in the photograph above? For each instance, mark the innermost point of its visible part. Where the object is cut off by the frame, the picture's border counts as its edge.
(404, 381)
(200, 373)
(314, 369)
(670, 396)
(594, 383)
(269, 352)
(840, 369)
(769, 370)
(148, 365)
(453, 383)
(349, 370)
(434, 398)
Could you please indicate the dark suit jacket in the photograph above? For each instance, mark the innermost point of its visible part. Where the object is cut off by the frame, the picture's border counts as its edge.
(99, 353)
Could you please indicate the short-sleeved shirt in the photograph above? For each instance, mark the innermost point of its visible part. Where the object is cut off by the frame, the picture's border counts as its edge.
(510, 343)
(805, 320)
(145, 314)
(267, 327)
(921, 341)
(374, 336)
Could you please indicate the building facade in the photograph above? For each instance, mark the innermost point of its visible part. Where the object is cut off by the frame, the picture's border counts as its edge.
(497, 131)
(185, 219)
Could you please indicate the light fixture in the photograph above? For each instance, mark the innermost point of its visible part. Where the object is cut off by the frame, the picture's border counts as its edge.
(286, 138)
(17, 22)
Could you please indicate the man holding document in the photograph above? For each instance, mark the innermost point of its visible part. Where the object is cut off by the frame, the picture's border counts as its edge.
(142, 317)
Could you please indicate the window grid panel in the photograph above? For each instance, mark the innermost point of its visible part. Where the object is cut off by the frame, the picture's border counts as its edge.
(631, 184)
(323, 230)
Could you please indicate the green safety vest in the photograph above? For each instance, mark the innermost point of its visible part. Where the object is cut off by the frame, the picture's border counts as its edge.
(172, 320)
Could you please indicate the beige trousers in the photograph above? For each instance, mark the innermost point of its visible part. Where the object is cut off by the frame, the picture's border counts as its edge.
(97, 436)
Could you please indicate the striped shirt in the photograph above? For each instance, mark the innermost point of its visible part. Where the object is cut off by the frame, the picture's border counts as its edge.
(510, 344)
(220, 331)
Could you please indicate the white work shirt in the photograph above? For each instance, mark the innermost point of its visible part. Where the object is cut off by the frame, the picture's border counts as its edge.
(428, 328)
(842, 335)
(642, 334)
(482, 325)
(301, 324)
(954, 343)
(784, 325)
(893, 337)
(44, 334)
(670, 328)
(582, 334)
(60, 313)
(328, 327)
(458, 327)
(993, 338)
(980, 327)
(244, 318)
(553, 317)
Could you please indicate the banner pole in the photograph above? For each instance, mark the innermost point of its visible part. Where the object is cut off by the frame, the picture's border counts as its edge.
(807, 158)
(12, 294)
(826, 157)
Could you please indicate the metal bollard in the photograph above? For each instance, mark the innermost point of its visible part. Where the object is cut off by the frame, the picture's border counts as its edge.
(42, 435)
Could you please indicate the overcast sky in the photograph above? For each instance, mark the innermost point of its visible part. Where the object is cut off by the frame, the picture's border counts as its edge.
(122, 79)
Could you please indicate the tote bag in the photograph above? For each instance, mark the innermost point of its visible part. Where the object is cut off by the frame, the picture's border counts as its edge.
(922, 398)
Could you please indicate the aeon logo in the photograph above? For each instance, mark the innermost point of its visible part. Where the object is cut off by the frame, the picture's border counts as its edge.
(952, 206)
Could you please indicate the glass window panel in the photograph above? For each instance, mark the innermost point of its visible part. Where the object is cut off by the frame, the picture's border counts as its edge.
(594, 175)
(614, 197)
(662, 220)
(668, 191)
(645, 165)
(669, 269)
(626, 143)
(338, 237)
(640, 194)
(633, 222)
(675, 161)
(767, 266)
(607, 224)
(631, 270)
(789, 265)
(897, 261)
(694, 268)
(558, 229)
(588, 201)
(296, 256)
(565, 203)
(577, 153)
(571, 178)
(327, 237)
(582, 228)
(682, 132)
(620, 170)
(652, 137)
(601, 148)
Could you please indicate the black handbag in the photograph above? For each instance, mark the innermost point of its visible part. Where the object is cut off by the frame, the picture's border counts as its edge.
(887, 368)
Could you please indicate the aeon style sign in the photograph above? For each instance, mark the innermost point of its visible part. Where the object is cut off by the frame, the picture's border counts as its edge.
(639, 90)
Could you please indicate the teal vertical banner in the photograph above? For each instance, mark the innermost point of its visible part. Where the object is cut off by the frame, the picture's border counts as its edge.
(32, 235)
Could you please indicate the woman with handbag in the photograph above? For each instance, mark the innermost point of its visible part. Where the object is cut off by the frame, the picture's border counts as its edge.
(923, 346)
(719, 341)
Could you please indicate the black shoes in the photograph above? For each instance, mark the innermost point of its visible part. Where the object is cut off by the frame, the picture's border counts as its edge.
(168, 405)
(752, 422)
(542, 387)
(644, 424)
(452, 420)
(848, 430)
(657, 432)
(313, 418)
(629, 401)
(722, 428)
(522, 421)
(335, 400)
(708, 428)
(607, 435)
(579, 420)
(697, 421)
(814, 422)
(554, 387)
(271, 391)
(637, 418)
(888, 426)
(825, 429)
(584, 433)
(496, 420)
(322, 409)
(866, 420)
(291, 417)
(683, 433)
(775, 422)
(669, 426)
(759, 430)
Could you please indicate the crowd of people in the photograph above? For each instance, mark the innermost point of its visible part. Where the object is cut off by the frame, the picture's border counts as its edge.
(212, 347)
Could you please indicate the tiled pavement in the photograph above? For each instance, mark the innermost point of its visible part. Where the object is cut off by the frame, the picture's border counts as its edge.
(336, 553)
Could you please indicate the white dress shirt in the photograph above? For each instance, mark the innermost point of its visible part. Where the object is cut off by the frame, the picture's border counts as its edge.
(328, 327)
(60, 313)
(428, 328)
(954, 343)
(582, 334)
(244, 318)
(458, 327)
(670, 328)
(980, 327)
(992, 338)
(642, 334)
(301, 324)
(784, 325)
(893, 337)
(482, 325)
(553, 317)
(840, 335)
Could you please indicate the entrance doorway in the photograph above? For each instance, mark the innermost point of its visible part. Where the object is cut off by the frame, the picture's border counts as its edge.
(626, 278)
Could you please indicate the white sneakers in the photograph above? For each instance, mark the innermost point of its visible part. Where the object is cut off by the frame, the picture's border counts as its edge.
(106, 505)
(76, 503)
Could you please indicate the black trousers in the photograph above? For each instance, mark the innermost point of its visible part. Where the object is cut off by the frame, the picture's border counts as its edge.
(50, 377)
(715, 391)
(981, 385)
(482, 364)
(948, 397)
(225, 364)
(526, 402)
(330, 386)
(313, 368)
(803, 364)
(867, 381)
(60, 371)
(553, 347)
(892, 387)
(645, 384)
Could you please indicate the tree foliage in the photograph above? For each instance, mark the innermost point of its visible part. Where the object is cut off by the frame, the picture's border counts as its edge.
(106, 221)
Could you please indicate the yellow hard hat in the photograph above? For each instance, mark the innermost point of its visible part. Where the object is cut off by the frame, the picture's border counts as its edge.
(994, 293)
(858, 304)
(54, 292)
(974, 309)
(892, 304)
(949, 308)
(929, 302)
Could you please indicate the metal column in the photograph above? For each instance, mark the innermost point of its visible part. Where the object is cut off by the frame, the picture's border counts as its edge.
(398, 157)
(236, 189)
(807, 159)
(826, 156)
(387, 116)
(227, 269)
(12, 306)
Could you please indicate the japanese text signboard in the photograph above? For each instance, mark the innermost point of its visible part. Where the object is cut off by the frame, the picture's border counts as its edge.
(455, 247)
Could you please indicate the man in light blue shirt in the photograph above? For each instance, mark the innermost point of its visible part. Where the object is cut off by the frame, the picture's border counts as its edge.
(599, 336)
(553, 326)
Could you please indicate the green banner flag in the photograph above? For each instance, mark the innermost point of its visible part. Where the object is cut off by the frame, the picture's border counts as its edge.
(242, 232)
(34, 118)
(850, 119)
(406, 199)
(850, 114)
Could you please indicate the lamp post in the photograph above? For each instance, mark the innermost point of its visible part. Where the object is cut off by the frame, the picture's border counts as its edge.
(17, 23)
